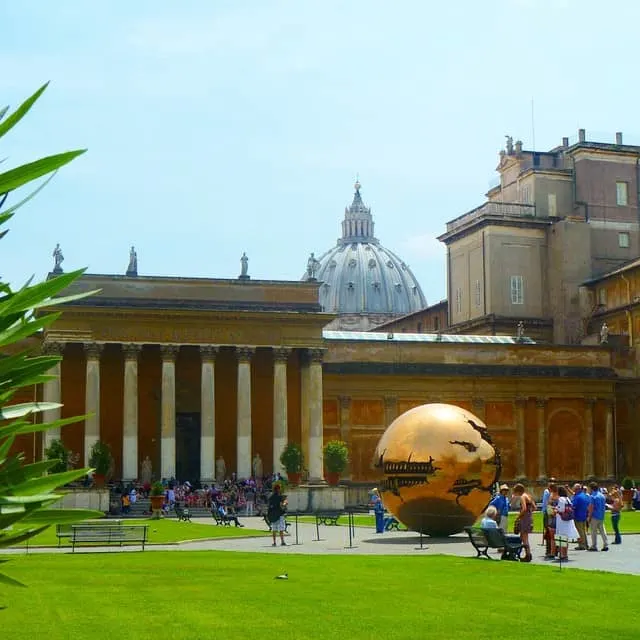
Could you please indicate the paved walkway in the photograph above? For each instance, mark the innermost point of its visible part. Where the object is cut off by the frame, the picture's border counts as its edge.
(624, 558)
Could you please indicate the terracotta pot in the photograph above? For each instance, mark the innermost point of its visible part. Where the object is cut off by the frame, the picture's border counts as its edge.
(627, 499)
(333, 478)
(156, 506)
(294, 477)
(99, 480)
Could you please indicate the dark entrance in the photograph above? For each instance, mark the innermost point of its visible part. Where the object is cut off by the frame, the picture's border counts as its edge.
(188, 447)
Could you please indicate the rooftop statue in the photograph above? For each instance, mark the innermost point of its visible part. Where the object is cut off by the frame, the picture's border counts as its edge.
(132, 269)
(313, 264)
(244, 267)
(58, 259)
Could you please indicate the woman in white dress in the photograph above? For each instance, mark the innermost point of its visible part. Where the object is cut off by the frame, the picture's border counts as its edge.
(565, 529)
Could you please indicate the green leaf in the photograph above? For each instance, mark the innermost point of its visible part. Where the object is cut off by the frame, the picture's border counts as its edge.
(19, 536)
(5, 579)
(26, 409)
(15, 178)
(44, 484)
(62, 516)
(20, 112)
(23, 330)
(54, 424)
(13, 208)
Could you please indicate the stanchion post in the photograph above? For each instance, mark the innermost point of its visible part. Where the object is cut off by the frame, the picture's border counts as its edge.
(297, 527)
(317, 529)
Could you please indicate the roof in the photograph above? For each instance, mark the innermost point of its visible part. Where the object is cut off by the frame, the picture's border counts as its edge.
(371, 336)
(413, 314)
(625, 267)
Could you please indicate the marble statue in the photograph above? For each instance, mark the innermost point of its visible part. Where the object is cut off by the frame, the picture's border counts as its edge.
(604, 333)
(58, 259)
(244, 266)
(313, 264)
(146, 471)
(520, 331)
(509, 145)
(221, 470)
(132, 269)
(257, 466)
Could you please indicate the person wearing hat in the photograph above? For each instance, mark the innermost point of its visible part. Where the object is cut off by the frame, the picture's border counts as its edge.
(378, 509)
(501, 502)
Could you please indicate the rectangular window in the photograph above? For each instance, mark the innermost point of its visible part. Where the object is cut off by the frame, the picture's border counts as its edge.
(517, 293)
(458, 300)
(553, 204)
(622, 195)
(478, 293)
(602, 296)
(623, 240)
(525, 195)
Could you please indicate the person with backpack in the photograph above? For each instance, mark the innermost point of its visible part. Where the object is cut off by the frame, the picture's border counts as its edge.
(565, 526)
(276, 508)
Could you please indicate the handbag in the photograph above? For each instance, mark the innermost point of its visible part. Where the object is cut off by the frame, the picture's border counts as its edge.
(516, 526)
(567, 514)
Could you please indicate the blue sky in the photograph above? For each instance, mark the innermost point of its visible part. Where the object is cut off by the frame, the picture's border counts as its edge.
(215, 128)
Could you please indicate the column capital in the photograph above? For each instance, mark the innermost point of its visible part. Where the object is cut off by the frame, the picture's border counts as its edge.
(477, 403)
(244, 354)
(281, 354)
(345, 401)
(93, 349)
(607, 402)
(209, 351)
(520, 401)
(169, 351)
(52, 348)
(316, 355)
(131, 350)
(590, 402)
(541, 403)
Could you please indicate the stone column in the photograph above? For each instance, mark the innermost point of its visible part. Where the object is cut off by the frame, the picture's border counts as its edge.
(345, 428)
(304, 405)
(479, 408)
(589, 403)
(316, 472)
(610, 445)
(52, 392)
(92, 397)
(168, 353)
(280, 417)
(390, 410)
(541, 403)
(130, 412)
(521, 471)
(208, 355)
(243, 428)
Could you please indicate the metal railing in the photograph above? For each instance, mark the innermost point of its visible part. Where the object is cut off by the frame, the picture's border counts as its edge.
(495, 209)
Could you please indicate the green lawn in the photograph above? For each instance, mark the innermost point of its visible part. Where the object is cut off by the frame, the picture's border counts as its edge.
(160, 532)
(203, 595)
(629, 521)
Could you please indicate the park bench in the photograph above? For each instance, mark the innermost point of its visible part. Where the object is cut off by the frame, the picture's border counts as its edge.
(265, 517)
(220, 520)
(65, 531)
(329, 518)
(485, 539)
(182, 513)
(108, 534)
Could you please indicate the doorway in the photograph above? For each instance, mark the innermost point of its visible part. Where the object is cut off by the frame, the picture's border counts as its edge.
(188, 447)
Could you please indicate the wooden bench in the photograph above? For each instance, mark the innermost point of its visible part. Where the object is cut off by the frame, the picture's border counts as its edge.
(65, 531)
(220, 520)
(108, 534)
(182, 513)
(485, 539)
(329, 518)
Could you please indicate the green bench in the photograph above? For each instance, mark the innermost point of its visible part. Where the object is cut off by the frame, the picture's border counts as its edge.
(108, 534)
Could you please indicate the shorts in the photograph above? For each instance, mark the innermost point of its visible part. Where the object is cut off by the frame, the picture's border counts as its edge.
(278, 525)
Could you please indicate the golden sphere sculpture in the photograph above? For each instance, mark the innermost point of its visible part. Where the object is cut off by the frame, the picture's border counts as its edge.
(439, 467)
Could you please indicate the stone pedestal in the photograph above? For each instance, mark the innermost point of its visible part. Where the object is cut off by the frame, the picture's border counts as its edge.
(84, 499)
(316, 497)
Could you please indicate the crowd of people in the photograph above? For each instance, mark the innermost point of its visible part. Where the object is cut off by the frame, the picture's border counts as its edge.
(568, 515)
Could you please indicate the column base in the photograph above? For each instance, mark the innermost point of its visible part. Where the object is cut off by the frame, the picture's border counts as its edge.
(543, 479)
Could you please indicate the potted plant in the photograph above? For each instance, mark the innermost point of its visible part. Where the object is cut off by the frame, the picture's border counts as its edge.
(57, 451)
(156, 495)
(100, 461)
(627, 493)
(336, 459)
(292, 460)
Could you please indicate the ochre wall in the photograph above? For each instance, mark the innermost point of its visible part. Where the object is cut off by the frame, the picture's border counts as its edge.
(73, 384)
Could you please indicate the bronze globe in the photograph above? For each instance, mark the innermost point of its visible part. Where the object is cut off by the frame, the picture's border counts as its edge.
(439, 467)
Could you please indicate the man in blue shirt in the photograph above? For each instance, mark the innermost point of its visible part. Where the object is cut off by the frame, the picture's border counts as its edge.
(597, 510)
(581, 502)
(501, 503)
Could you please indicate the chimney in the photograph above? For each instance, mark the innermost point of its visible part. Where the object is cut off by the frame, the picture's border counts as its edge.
(565, 142)
(619, 137)
(582, 135)
(518, 147)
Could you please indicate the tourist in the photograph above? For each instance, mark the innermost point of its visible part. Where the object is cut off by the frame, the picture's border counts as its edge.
(524, 521)
(276, 508)
(228, 515)
(549, 522)
(501, 503)
(581, 502)
(565, 529)
(546, 494)
(490, 518)
(616, 508)
(596, 517)
(375, 502)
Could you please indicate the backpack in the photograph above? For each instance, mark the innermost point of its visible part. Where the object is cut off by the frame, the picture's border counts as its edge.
(567, 514)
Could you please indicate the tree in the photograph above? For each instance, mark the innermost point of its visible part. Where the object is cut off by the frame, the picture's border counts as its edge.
(26, 490)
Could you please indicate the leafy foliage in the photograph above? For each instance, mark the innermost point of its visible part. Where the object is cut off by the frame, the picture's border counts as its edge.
(292, 458)
(336, 456)
(65, 459)
(101, 458)
(27, 490)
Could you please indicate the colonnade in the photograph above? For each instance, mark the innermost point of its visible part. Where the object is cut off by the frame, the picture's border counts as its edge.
(311, 392)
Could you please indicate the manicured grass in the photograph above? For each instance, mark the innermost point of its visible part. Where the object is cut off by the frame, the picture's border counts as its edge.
(160, 532)
(629, 521)
(202, 595)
